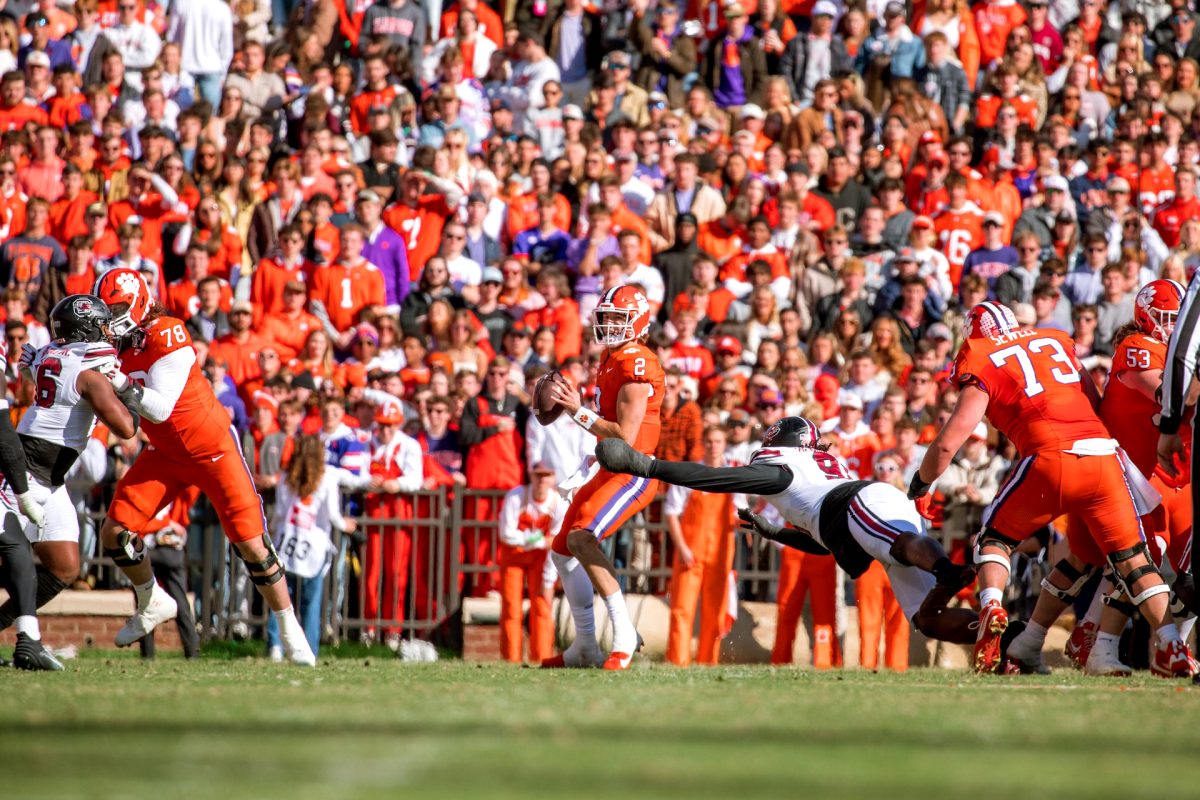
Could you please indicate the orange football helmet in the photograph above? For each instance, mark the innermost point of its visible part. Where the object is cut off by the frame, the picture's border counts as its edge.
(126, 294)
(989, 319)
(1155, 308)
(621, 316)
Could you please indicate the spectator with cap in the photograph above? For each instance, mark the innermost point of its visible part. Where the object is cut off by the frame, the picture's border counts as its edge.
(51, 48)
(811, 56)
(892, 51)
(668, 55)
(1039, 218)
(735, 69)
(994, 258)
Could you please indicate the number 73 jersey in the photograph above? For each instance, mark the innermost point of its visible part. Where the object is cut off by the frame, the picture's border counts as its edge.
(1035, 392)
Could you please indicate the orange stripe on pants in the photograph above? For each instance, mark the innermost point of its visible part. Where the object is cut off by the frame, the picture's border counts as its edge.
(800, 574)
(877, 611)
(521, 570)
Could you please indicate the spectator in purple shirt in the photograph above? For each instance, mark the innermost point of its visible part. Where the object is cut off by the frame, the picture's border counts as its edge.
(384, 248)
(547, 243)
(995, 257)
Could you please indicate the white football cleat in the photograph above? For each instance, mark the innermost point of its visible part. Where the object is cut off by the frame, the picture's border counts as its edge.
(160, 609)
(296, 649)
(1106, 664)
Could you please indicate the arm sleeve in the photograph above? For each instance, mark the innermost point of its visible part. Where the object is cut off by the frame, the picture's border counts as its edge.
(1181, 360)
(410, 462)
(164, 384)
(764, 479)
(799, 540)
(12, 455)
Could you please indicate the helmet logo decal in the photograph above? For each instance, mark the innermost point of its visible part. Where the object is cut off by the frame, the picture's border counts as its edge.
(128, 282)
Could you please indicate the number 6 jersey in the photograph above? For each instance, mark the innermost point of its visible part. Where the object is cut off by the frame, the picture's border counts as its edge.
(1035, 392)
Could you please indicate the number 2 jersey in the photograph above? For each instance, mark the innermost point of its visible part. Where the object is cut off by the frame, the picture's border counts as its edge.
(56, 427)
(197, 424)
(1035, 393)
(1127, 413)
(632, 363)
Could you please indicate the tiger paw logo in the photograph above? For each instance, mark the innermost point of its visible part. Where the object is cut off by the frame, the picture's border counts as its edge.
(128, 282)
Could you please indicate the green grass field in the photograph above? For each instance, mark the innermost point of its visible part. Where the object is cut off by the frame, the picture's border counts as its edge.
(367, 728)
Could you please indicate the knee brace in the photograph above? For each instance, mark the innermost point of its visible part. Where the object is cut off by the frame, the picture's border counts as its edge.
(1078, 580)
(1126, 582)
(1118, 600)
(992, 537)
(268, 571)
(130, 550)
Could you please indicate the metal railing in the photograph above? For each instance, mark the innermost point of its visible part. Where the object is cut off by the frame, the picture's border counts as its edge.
(444, 553)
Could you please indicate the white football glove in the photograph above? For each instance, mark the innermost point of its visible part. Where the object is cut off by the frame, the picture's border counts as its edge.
(33, 511)
(25, 363)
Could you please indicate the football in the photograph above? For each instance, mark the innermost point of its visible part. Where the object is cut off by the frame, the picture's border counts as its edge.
(545, 409)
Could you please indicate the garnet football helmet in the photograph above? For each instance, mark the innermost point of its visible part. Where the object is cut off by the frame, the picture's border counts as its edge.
(792, 432)
(621, 316)
(989, 319)
(80, 318)
(128, 298)
(1156, 307)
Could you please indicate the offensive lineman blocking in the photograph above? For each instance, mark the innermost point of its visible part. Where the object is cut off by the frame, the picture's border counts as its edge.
(191, 444)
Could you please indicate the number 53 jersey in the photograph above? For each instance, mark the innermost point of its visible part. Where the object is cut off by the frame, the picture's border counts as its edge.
(1034, 388)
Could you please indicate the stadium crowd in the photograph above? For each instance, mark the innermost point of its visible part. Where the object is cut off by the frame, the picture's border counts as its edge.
(383, 221)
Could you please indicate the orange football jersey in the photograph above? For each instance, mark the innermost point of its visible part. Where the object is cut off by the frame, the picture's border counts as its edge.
(198, 424)
(632, 363)
(959, 232)
(1129, 414)
(1035, 393)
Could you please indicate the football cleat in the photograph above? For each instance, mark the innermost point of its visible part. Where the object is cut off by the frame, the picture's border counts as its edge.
(31, 654)
(1172, 661)
(618, 660)
(1079, 646)
(298, 652)
(578, 655)
(1015, 661)
(275, 654)
(993, 621)
(160, 609)
(1106, 664)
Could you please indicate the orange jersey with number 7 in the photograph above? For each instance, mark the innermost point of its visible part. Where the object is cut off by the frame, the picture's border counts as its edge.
(1035, 392)
(198, 423)
(632, 363)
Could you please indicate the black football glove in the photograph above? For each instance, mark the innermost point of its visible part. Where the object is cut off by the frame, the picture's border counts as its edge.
(788, 537)
(757, 523)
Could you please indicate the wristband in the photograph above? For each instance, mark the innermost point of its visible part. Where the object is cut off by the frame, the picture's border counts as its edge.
(585, 417)
(918, 487)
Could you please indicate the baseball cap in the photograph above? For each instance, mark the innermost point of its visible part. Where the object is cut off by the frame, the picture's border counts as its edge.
(980, 432)
(241, 305)
(97, 210)
(734, 10)
(265, 400)
(824, 8)
(1117, 184)
(930, 136)
(37, 59)
(366, 330)
(541, 467)
(492, 275)
(519, 329)
(572, 112)
(1055, 183)
(739, 416)
(894, 9)
(938, 158)
(1024, 313)
(389, 413)
(939, 330)
(624, 155)
(304, 381)
(923, 222)
(728, 344)
(617, 58)
(906, 254)
(686, 218)
(368, 196)
(849, 400)
(657, 99)
(993, 218)
(769, 398)
(752, 111)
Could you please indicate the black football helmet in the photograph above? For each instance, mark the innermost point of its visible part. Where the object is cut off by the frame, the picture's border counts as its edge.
(792, 432)
(80, 318)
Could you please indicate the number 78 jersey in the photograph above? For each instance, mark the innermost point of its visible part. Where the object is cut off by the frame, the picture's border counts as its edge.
(1034, 388)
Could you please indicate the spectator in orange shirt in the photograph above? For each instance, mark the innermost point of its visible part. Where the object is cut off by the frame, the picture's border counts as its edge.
(67, 214)
(288, 328)
(560, 314)
(345, 288)
(17, 110)
(239, 348)
(722, 237)
(420, 217)
(223, 242)
(274, 272)
(42, 176)
(65, 107)
(182, 299)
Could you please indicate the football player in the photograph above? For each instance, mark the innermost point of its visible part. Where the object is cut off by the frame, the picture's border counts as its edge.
(629, 392)
(70, 393)
(1127, 410)
(1031, 386)
(830, 513)
(192, 443)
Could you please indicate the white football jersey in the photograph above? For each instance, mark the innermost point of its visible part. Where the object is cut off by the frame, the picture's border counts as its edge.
(814, 474)
(59, 414)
